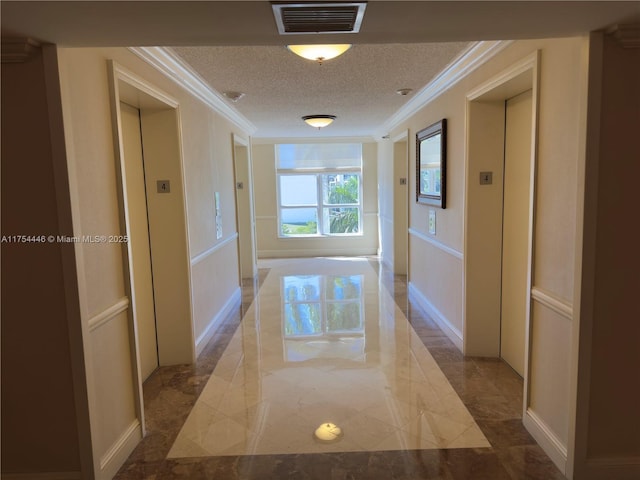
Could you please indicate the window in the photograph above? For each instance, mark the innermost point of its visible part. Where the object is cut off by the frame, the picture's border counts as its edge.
(319, 189)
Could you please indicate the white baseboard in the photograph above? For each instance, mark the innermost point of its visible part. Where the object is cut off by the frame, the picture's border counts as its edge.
(385, 261)
(118, 453)
(226, 309)
(43, 476)
(447, 327)
(547, 439)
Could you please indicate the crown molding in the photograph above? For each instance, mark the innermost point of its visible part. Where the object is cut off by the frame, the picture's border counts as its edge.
(18, 50)
(171, 65)
(470, 59)
(627, 35)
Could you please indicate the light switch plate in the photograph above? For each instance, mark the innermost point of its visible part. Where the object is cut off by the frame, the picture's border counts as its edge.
(432, 222)
(218, 227)
(216, 203)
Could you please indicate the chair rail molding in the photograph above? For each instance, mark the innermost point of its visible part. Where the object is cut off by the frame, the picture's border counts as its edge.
(551, 301)
(108, 314)
(439, 245)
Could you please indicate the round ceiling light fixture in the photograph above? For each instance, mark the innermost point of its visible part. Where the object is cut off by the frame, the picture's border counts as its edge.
(319, 53)
(319, 121)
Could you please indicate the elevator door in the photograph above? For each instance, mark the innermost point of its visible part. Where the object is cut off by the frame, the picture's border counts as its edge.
(143, 300)
(515, 226)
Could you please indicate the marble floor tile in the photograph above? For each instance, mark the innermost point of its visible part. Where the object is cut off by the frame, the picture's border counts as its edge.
(323, 342)
(338, 340)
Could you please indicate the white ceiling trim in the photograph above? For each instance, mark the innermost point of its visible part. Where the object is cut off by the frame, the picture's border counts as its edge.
(169, 64)
(463, 65)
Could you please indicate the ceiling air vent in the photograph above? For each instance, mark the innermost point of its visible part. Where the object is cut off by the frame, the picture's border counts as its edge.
(301, 18)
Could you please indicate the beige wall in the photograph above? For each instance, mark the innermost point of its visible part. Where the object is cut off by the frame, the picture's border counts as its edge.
(269, 245)
(437, 260)
(39, 410)
(208, 168)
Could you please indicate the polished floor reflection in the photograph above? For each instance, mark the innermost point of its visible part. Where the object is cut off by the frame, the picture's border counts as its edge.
(334, 340)
(323, 344)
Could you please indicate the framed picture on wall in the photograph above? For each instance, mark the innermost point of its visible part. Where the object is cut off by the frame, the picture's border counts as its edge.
(431, 164)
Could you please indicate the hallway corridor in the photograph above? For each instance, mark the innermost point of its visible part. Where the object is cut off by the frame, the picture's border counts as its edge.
(334, 340)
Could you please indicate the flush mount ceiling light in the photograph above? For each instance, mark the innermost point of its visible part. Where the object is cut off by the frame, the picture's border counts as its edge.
(318, 121)
(319, 53)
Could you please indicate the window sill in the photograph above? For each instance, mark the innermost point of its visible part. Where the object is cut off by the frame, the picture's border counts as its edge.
(344, 235)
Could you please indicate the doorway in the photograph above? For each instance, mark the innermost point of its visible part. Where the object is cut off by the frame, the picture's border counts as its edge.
(499, 214)
(152, 211)
(245, 218)
(400, 204)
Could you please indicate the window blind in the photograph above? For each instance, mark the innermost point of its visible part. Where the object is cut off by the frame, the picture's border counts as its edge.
(318, 155)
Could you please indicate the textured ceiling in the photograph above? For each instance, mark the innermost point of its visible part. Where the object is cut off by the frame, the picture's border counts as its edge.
(358, 87)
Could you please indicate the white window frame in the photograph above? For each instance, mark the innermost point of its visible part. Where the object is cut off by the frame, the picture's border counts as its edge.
(320, 205)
